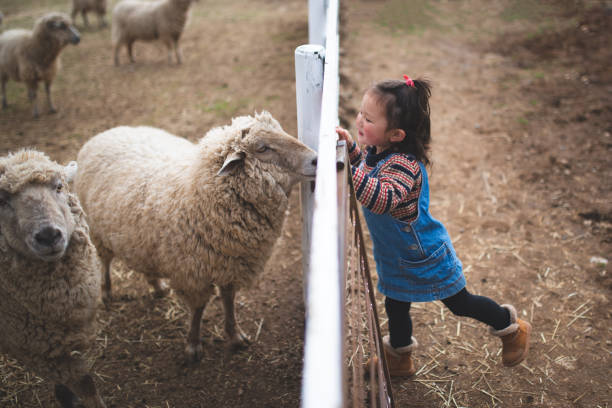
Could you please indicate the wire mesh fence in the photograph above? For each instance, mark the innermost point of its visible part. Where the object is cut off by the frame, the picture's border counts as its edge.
(368, 383)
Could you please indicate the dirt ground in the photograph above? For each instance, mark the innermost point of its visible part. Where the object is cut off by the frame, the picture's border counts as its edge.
(522, 179)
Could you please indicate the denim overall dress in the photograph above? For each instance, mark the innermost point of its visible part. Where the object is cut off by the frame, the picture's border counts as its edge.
(415, 261)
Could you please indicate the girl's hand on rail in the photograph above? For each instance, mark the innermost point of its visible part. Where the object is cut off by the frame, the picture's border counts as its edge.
(343, 134)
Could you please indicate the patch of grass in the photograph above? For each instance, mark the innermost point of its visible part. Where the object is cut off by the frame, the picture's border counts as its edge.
(20, 6)
(413, 17)
(523, 121)
(522, 10)
(225, 108)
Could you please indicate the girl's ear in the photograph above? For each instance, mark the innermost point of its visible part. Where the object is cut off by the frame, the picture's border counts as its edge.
(397, 135)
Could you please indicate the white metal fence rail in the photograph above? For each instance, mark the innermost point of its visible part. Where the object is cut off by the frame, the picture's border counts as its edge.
(323, 374)
(341, 313)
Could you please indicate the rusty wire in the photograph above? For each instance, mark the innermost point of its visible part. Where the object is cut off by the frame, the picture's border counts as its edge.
(368, 381)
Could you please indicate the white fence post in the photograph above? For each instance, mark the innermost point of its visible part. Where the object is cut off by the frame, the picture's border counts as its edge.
(309, 60)
(324, 370)
(317, 12)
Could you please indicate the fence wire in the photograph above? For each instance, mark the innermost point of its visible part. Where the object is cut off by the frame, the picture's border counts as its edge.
(368, 381)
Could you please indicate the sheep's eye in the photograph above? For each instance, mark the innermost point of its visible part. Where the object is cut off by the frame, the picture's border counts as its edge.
(262, 148)
(59, 187)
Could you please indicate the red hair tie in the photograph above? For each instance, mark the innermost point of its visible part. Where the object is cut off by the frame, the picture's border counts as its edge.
(409, 81)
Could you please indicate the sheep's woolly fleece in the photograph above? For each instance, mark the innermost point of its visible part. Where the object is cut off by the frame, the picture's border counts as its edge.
(48, 307)
(199, 228)
(26, 167)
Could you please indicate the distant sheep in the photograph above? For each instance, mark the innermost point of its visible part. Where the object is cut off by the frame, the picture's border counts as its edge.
(85, 6)
(49, 276)
(32, 56)
(162, 20)
(199, 215)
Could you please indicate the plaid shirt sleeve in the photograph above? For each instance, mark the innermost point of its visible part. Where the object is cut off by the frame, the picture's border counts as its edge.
(355, 155)
(391, 187)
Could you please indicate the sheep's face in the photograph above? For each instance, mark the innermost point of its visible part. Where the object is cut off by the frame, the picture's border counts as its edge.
(36, 220)
(264, 143)
(58, 27)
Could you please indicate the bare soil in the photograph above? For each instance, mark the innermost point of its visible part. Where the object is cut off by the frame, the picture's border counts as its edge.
(522, 178)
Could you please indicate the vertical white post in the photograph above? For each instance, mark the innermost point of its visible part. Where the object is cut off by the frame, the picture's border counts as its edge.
(317, 13)
(309, 61)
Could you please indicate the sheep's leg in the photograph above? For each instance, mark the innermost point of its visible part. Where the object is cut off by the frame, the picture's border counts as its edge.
(169, 48)
(49, 101)
(193, 349)
(129, 49)
(117, 48)
(177, 52)
(101, 20)
(235, 335)
(32, 91)
(4, 104)
(65, 397)
(161, 288)
(73, 14)
(85, 21)
(105, 257)
(86, 393)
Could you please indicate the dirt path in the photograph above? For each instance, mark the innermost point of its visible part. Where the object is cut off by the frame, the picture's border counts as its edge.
(517, 244)
(517, 160)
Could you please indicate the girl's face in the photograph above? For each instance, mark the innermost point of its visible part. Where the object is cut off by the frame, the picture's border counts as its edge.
(372, 124)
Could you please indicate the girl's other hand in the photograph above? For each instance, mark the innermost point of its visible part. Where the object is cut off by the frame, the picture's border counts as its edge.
(343, 134)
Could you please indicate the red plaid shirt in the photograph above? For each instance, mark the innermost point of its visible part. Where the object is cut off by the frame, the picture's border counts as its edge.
(396, 188)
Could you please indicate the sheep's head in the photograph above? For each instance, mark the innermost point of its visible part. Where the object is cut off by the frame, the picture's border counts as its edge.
(260, 141)
(57, 27)
(36, 218)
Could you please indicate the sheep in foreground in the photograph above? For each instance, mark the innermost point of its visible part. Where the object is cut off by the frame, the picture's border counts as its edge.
(162, 20)
(85, 6)
(49, 276)
(199, 215)
(32, 56)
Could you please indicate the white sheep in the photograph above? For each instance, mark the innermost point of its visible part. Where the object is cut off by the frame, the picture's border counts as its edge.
(162, 20)
(33, 56)
(49, 276)
(85, 6)
(199, 215)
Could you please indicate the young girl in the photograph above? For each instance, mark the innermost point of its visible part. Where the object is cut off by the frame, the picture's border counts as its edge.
(415, 259)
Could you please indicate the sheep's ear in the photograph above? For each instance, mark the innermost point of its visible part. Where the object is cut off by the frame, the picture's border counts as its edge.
(71, 171)
(232, 161)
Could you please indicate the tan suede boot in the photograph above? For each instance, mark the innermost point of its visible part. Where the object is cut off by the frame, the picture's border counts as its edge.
(399, 360)
(515, 339)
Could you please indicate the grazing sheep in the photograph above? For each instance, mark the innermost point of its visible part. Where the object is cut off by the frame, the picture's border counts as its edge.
(49, 276)
(85, 6)
(32, 56)
(162, 20)
(197, 214)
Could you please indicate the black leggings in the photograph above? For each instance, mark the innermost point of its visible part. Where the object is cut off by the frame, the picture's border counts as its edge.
(461, 304)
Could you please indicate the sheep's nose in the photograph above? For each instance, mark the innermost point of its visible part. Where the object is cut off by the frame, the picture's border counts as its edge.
(314, 162)
(75, 35)
(48, 236)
